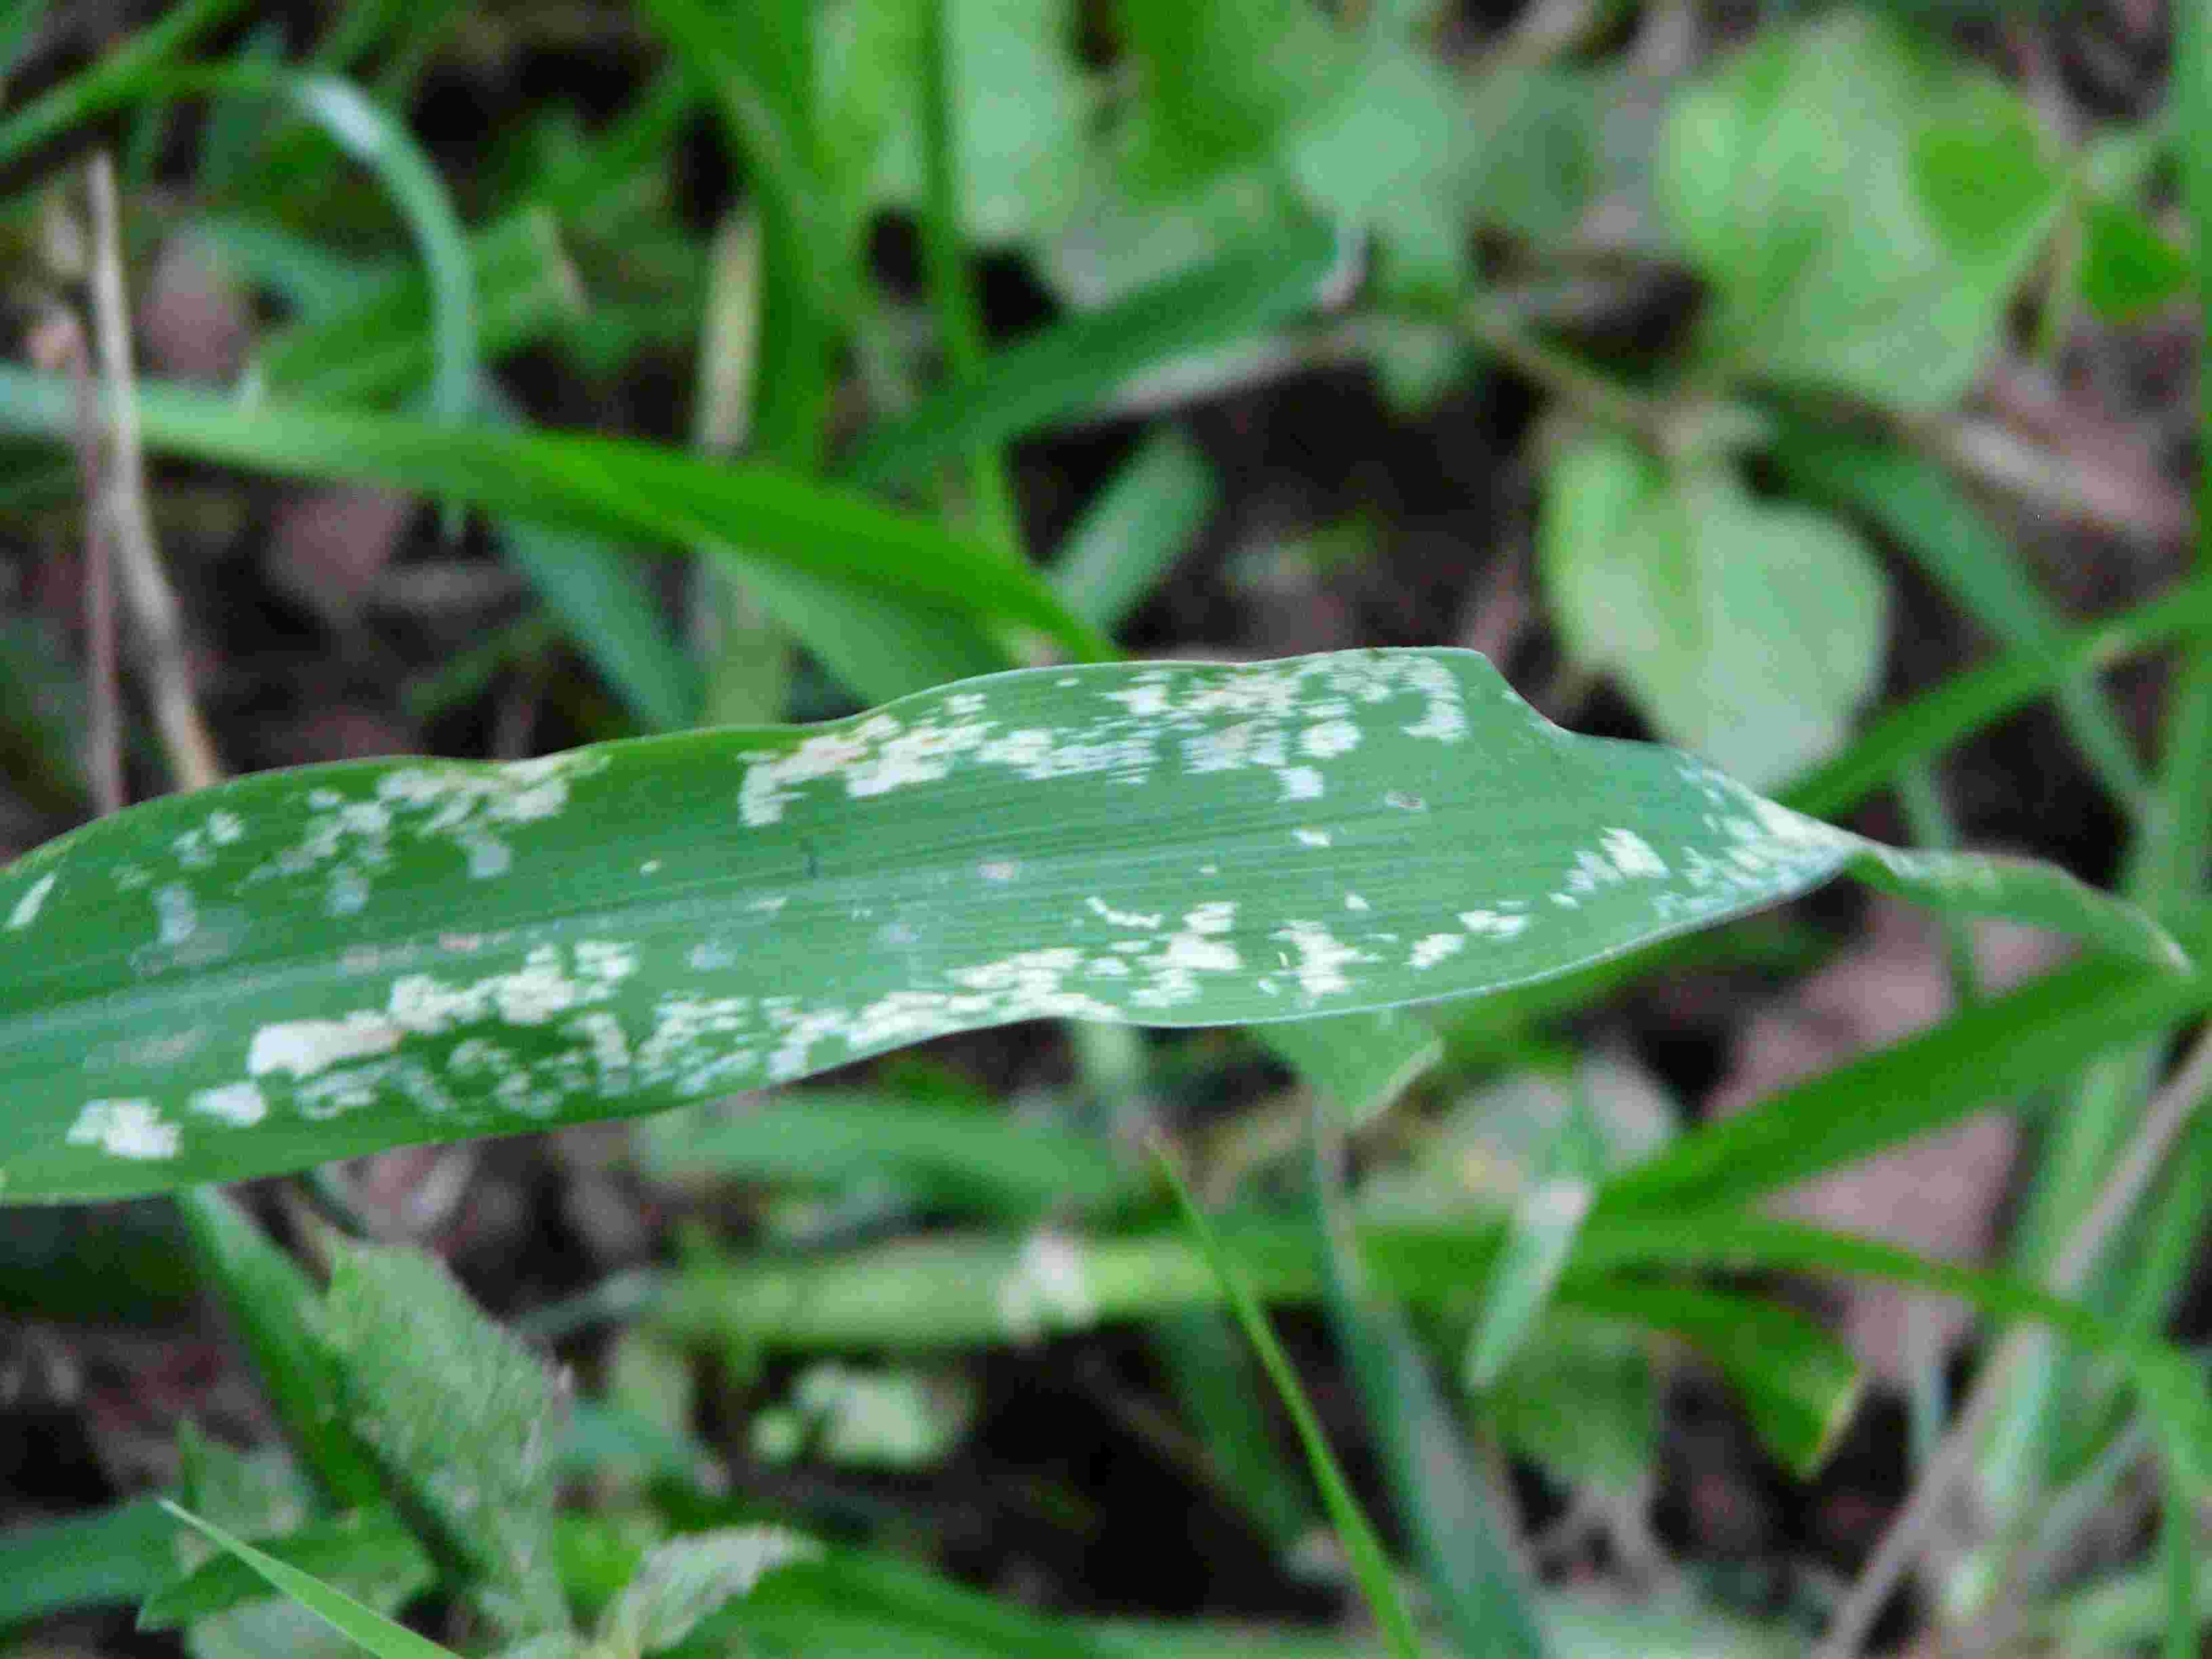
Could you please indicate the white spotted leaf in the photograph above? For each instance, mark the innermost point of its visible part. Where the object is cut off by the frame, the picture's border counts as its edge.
(312, 964)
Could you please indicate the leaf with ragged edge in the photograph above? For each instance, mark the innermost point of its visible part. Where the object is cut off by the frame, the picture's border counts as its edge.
(464, 1419)
(312, 964)
(683, 1581)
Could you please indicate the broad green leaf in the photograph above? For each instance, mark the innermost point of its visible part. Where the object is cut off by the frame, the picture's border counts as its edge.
(1749, 630)
(90, 1561)
(466, 1421)
(311, 964)
(2128, 268)
(361, 1624)
(683, 1581)
(1022, 103)
(1863, 205)
(614, 486)
(1394, 151)
(1223, 82)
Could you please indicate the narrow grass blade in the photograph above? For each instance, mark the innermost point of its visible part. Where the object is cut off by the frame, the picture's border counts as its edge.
(1074, 364)
(1798, 1384)
(387, 148)
(758, 63)
(375, 1544)
(2010, 1045)
(1135, 529)
(1963, 705)
(964, 1154)
(1219, 1389)
(365, 1628)
(380, 343)
(607, 485)
(2168, 1382)
(120, 76)
(1964, 554)
(1537, 1245)
(385, 952)
(1364, 1550)
(1444, 1500)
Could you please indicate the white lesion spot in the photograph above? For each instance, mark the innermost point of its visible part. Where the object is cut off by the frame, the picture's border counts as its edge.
(1435, 948)
(1099, 907)
(175, 912)
(1048, 1290)
(1354, 901)
(1321, 958)
(1492, 924)
(999, 870)
(125, 1128)
(1301, 783)
(1631, 854)
(27, 908)
(1311, 837)
(305, 1046)
(1328, 739)
(241, 1105)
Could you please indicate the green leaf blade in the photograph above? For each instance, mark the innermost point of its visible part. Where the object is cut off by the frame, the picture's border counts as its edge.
(312, 964)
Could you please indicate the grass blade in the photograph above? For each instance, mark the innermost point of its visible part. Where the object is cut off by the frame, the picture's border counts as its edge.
(119, 76)
(606, 485)
(1364, 1550)
(1933, 519)
(363, 1627)
(1135, 529)
(1074, 364)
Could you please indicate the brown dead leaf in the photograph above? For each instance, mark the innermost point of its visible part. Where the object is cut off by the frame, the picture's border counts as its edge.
(194, 320)
(328, 547)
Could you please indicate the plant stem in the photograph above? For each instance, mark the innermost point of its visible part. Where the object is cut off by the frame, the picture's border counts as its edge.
(122, 507)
